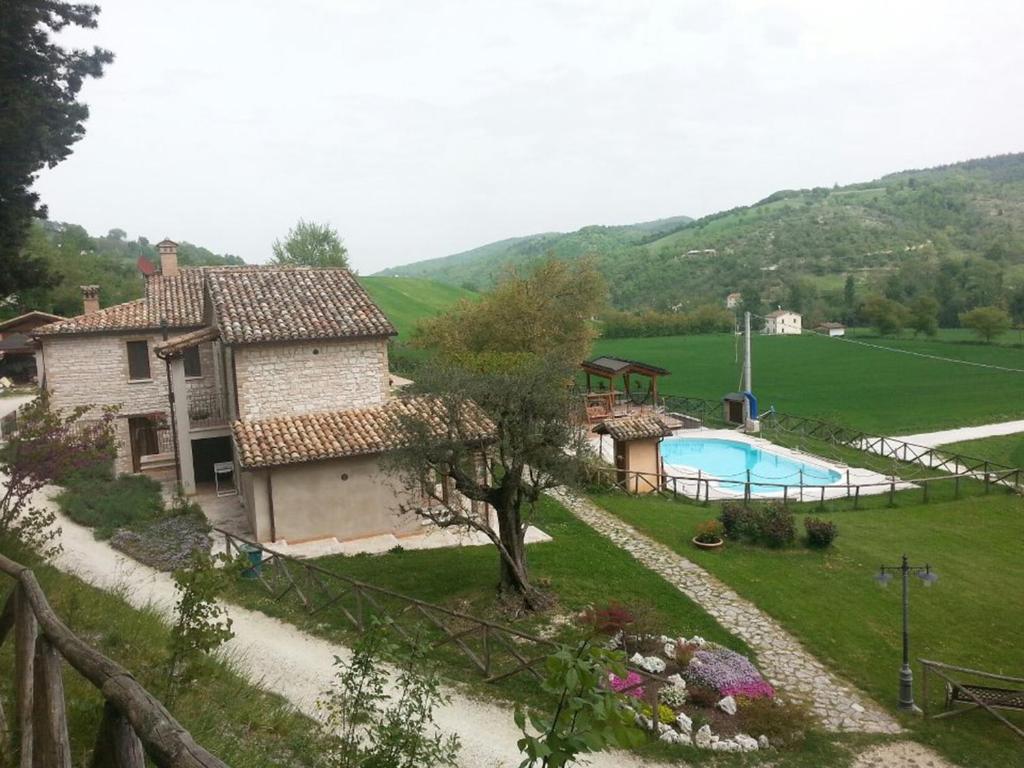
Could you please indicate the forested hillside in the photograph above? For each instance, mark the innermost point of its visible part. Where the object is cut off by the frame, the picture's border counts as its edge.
(478, 268)
(954, 234)
(77, 258)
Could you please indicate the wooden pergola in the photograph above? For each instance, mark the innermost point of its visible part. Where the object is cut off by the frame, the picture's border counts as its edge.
(611, 368)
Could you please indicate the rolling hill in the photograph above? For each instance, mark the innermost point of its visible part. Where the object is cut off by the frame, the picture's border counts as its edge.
(954, 233)
(407, 300)
(479, 267)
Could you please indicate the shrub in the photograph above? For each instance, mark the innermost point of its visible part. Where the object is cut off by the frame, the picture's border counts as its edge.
(709, 531)
(609, 619)
(785, 723)
(702, 696)
(728, 674)
(665, 713)
(820, 533)
(107, 505)
(673, 696)
(775, 524)
(684, 652)
(735, 519)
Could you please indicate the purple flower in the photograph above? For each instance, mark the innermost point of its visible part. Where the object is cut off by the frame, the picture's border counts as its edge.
(729, 673)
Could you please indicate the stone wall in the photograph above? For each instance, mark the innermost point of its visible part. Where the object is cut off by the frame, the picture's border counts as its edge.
(306, 377)
(92, 370)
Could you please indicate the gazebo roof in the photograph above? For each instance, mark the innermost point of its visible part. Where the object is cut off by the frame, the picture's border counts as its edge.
(634, 428)
(608, 366)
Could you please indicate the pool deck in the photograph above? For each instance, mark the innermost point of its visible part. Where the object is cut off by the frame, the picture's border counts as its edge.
(687, 480)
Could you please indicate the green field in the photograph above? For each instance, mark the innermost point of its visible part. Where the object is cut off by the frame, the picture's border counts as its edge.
(407, 300)
(877, 391)
(831, 603)
(1003, 449)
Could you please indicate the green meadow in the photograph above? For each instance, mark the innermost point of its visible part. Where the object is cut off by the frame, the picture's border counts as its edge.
(875, 390)
(407, 300)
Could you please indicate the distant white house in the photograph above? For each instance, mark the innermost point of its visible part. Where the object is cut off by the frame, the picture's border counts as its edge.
(831, 329)
(783, 322)
(733, 300)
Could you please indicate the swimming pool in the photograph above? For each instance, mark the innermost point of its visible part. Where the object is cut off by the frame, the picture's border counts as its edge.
(730, 460)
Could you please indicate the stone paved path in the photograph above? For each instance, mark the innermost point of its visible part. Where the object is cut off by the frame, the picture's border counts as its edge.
(784, 661)
(946, 436)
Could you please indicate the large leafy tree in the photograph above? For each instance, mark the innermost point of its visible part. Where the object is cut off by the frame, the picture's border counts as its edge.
(310, 244)
(986, 322)
(40, 118)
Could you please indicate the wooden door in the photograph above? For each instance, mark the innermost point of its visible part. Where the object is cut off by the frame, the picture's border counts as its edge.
(142, 435)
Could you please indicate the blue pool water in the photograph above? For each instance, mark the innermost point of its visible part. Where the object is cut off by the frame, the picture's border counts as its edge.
(730, 460)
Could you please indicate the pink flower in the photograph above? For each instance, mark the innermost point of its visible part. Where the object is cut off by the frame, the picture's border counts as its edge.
(619, 684)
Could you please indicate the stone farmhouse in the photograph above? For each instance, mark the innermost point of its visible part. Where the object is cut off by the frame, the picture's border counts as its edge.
(783, 322)
(281, 371)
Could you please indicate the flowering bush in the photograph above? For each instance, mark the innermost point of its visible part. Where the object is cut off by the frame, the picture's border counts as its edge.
(820, 533)
(709, 532)
(673, 695)
(729, 673)
(665, 714)
(620, 684)
(609, 619)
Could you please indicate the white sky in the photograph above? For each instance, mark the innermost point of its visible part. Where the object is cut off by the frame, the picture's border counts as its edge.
(419, 128)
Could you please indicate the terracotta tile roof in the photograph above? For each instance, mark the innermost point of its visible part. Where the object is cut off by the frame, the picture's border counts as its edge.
(177, 299)
(336, 434)
(634, 428)
(284, 304)
(175, 346)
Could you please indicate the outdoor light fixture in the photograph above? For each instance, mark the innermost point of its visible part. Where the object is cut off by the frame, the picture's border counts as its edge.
(928, 577)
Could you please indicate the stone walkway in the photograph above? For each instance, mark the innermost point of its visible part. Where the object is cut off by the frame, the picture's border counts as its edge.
(784, 661)
(946, 436)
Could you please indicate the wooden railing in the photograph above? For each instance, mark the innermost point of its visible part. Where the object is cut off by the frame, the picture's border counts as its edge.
(698, 487)
(493, 651)
(134, 724)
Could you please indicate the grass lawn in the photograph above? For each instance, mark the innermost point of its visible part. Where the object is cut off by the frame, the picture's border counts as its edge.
(877, 391)
(235, 721)
(971, 618)
(407, 300)
(1003, 449)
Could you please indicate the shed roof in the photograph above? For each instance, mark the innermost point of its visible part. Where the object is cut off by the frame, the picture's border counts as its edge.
(606, 365)
(338, 434)
(634, 428)
(40, 318)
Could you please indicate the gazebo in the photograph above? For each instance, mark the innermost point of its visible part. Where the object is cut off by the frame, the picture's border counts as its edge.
(601, 403)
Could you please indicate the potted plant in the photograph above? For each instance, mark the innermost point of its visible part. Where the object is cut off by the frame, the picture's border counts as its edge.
(709, 534)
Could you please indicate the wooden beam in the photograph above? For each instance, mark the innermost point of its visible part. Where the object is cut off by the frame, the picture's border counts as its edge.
(51, 747)
(25, 632)
(117, 745)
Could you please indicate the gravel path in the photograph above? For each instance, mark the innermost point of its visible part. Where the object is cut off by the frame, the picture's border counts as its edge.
(784, 661)
(281, 658)
(935, 439)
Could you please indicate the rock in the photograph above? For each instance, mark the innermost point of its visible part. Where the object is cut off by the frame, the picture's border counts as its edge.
(643, 722)
(684, 722)
(669, 649)
(652, 664)
(762, 741)
(746, 743)
(702, 739)
(676, 679)
(670, 737)
(726, 745)
(697, 640)
(727, 705)
(637, 658)
(666, 639)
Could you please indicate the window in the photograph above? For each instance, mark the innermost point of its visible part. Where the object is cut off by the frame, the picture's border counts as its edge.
(193, 367)
(138, 360)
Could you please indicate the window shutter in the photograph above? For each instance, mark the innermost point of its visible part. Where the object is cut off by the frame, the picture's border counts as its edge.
(138, 360)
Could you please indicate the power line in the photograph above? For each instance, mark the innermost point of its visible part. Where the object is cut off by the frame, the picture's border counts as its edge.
(924, 355)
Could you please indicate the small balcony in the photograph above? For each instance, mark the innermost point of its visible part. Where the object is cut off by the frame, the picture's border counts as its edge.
(206, 409)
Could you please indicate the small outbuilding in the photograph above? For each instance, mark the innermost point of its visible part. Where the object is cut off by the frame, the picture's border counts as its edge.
(831, 329)
(17, 348)
(637, 447)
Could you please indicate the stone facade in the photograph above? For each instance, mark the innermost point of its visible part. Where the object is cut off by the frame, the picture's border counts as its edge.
(306, 377)
(92, 370)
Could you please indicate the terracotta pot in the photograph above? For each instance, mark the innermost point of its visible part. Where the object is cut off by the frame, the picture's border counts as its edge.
(707, 545)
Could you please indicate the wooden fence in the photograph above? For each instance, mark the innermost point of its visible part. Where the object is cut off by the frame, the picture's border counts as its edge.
(134, 724)
(698, 487)
(494, 651)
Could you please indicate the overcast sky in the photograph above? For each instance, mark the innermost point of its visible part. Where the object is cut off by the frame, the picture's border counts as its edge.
(422, 128)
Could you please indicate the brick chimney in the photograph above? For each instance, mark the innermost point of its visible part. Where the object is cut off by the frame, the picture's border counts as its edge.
(90, 298)
(168, 250)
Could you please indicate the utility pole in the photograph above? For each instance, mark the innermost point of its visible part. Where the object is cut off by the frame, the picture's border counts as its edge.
(746, 369)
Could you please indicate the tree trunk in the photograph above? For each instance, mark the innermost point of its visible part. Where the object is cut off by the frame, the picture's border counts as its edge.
(513, 578)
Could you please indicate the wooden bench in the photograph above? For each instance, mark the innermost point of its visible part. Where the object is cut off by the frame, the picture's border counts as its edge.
(964, 697)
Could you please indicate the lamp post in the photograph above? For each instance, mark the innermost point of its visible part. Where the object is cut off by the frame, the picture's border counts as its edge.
(928, 577)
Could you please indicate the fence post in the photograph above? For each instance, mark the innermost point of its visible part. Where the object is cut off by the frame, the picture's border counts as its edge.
(892, 493)
(847, 483)
(51, 746)
(925, 484)
(785, 494)
(117, 745)
(801, 485)
(25, 632)
(956, 487)
(988, 486)
(856, 498)
(822, 504)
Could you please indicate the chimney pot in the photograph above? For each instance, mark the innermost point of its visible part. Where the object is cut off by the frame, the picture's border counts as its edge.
(168, 250)
(90, 298)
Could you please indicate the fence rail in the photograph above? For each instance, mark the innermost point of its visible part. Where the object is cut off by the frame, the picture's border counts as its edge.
(134, 723)
(698, 487)
(495, 652)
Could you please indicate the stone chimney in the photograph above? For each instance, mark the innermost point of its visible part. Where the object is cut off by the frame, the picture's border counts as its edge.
(168, 250)
(90, 298)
